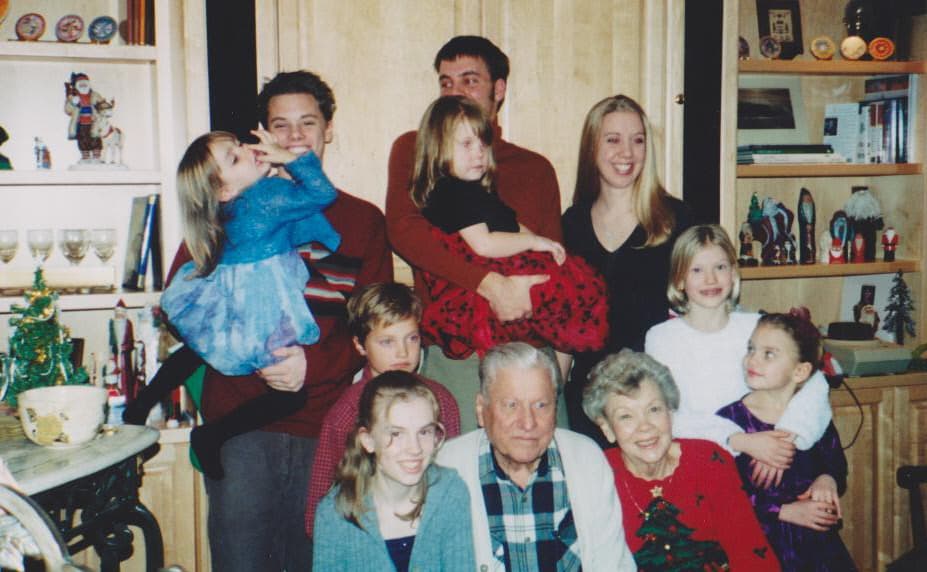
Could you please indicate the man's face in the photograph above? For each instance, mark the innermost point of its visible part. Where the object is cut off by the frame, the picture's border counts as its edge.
(298, 124)
(519, 416)
(468, 76)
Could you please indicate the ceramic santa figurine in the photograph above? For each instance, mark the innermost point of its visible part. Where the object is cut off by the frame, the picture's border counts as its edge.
(122, 347)
(889, 244)
(836, 252)
(80, 104)
(858, 248)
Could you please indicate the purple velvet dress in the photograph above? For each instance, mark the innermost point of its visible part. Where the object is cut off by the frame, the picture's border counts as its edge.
(798, 548)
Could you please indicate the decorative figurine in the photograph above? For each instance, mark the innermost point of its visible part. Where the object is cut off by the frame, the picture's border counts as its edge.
(823, 48)
(865, 217)
(774, 230)
(102, 29)
(858, 248)
(110, 136)
(889, 244)
(864, 312)
(853, 47)
(824, 242)
(806, 220)
(743, 48)
(746, 257)
(69, 28)
(839, 232)
(122, 345)
(899, 310)
(790, 250)
(836, 251)
(30, 27)
(42, 154)
(881, 48)
(80, 103)
(5, 164)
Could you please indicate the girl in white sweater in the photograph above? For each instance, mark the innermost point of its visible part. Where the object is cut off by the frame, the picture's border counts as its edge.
(704, 350)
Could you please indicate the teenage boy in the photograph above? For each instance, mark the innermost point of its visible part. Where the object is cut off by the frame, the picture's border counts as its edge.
(474, 67)
(383, 318)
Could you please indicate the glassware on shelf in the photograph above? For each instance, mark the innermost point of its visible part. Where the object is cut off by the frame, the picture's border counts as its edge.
(74, 243)
(103, 241)
(40, 242)
(9, 242)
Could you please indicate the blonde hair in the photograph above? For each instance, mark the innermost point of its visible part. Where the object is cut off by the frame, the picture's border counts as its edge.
(198, 186)
(434, 144)
(687, 246)
(651, 202)
(354, 476)
(381, 304)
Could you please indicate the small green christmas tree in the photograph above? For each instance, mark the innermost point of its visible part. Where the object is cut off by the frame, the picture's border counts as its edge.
(40, 346)
(899, 318)
(668, 544)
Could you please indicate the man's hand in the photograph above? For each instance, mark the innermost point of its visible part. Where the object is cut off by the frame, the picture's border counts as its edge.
(509, 297)
(288, 374)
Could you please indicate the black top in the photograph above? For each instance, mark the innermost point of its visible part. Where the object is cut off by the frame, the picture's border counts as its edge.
(400, 551)
(636, 277)
(455, 204)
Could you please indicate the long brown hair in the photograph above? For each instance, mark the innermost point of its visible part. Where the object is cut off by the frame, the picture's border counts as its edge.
(434, 144)
(650, 200)
(198, 185)
(354, 476)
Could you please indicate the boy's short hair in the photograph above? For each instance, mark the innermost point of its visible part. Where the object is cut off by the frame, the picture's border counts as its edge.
(297, 82)
(477, 47)
(381, 304)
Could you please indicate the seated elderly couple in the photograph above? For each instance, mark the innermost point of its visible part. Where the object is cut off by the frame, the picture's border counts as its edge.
(539, 498)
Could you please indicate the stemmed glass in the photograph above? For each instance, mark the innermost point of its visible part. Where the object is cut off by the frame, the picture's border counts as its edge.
(9, 242)
(74, 243)
(40, 241)
(103, 241)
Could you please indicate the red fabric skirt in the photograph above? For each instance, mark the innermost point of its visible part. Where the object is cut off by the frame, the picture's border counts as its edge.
(569, 311)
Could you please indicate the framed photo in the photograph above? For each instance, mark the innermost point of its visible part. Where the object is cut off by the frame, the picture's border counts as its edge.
(770, 111)
(781, 20)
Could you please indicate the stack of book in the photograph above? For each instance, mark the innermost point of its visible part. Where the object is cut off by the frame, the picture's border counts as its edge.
(777, 154)
(140, 22)
(876, 129)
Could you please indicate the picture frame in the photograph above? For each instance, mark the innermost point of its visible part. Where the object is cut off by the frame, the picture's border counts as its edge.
(758, 126)
(781, 19)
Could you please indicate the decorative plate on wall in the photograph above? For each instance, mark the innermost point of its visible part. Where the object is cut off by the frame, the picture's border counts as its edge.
(30, 27)
(102, 29)
(69, 28)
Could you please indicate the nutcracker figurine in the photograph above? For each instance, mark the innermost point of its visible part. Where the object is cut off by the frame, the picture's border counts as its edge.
(889, 244)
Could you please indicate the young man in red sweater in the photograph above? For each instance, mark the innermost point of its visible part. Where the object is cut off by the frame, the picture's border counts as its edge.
(474, 67)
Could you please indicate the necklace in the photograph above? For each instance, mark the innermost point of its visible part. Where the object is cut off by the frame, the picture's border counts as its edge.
(656, 492)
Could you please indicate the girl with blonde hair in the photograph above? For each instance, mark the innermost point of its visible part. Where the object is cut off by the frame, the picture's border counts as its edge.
(623, 223)
(391, 508)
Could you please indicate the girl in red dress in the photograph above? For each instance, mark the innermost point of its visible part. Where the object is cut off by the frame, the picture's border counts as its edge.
(453, 184)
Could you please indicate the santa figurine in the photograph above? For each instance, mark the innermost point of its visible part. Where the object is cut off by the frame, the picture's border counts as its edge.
(889, 244)
(858, 248)
(122, 347)
(836, 252)
(80, 103)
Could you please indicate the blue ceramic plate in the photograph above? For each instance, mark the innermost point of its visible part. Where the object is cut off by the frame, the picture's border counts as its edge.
(102, 30)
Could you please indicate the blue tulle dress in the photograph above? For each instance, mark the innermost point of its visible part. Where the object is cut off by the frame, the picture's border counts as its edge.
(252, 303)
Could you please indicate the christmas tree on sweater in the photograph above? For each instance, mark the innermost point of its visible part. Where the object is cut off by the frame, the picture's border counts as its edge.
(668, 543)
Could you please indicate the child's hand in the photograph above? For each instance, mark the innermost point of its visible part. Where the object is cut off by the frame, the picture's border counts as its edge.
(775, 448)
(268, 150)
(765, 476)
(816, 515)
(824, 489)
(542, 244)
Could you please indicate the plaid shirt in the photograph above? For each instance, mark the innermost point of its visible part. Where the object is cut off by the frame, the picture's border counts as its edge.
(532, 529)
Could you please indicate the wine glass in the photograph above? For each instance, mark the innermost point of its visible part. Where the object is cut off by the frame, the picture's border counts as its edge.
(9, 242)
(103, 241)
(74, 243)
(40, 241)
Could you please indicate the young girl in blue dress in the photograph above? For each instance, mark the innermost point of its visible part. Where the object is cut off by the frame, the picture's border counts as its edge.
(391, 507)
(241, 297)
(800, 513)
(453, 184)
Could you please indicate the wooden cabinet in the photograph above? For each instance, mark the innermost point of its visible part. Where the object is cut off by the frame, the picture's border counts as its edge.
(890, 425)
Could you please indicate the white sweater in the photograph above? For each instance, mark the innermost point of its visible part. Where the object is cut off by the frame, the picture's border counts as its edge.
(708, 369)
(590, 486)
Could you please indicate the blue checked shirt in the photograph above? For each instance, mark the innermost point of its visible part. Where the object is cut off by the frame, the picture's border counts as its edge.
(532, 529)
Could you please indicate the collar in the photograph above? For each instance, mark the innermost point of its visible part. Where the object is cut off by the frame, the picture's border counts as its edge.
(489, 467)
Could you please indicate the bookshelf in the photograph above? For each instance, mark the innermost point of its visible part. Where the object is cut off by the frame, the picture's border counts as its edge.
(875, 526)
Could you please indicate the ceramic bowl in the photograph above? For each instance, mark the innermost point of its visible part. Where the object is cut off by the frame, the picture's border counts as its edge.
(62, 416)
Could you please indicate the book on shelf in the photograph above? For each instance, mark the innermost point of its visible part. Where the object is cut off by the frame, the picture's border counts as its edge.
(143, 248)
(791, 153)
(841, 129)
(895, 95)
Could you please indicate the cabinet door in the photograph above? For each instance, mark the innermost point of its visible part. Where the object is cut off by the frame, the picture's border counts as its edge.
(867, 503)
(911, 449)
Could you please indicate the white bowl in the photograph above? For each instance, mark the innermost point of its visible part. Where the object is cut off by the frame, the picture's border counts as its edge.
(62, 416)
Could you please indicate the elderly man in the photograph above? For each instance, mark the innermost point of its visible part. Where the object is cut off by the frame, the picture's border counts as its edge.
(541, 498)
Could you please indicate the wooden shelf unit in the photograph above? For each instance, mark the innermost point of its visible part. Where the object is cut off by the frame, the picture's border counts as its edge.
(830, 67)
(828, 170)
(822, 270)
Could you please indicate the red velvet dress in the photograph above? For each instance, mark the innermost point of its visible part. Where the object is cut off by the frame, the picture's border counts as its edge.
(570, 311)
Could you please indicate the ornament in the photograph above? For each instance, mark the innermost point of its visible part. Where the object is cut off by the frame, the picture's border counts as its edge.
(853, 47)
(881, 48)
(823, 48)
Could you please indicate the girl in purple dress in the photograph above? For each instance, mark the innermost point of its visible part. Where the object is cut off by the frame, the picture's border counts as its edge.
(800, 514)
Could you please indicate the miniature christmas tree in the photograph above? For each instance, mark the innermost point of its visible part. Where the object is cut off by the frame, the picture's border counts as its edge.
(668, 543)
(900, 308)
(40, 346)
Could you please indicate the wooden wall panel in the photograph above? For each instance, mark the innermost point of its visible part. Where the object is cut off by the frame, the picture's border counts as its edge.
(377, 56)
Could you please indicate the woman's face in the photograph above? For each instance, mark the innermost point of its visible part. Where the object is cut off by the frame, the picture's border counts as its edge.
(621, 150)
(641, 424)
(403, 441)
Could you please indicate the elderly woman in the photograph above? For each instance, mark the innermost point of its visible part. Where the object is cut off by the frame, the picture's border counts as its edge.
(681, 499)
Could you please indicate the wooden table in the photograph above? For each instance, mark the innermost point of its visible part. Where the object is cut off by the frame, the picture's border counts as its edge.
(91, 492)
